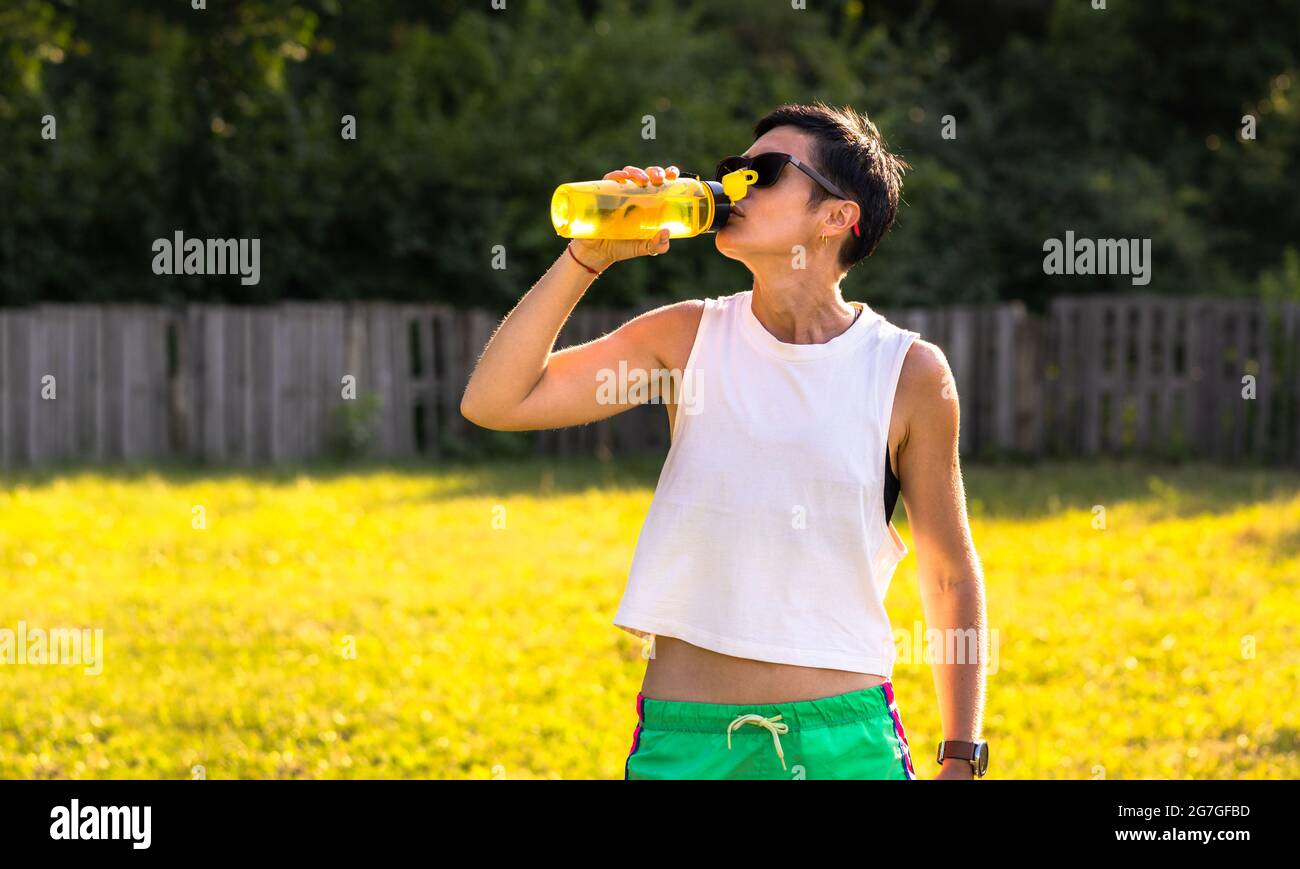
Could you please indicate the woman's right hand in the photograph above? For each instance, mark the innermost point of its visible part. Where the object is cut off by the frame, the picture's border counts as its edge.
(601, 253)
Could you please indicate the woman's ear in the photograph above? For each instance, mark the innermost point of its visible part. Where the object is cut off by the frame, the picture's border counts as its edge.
(851, 214)
(841, 219)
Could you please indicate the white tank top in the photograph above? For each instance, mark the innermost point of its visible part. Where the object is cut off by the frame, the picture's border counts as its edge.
(767, 538)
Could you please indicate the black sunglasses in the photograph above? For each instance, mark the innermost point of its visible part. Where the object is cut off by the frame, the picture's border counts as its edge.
(769, 166)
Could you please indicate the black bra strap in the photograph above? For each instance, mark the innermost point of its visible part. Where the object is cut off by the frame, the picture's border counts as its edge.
(892, 488)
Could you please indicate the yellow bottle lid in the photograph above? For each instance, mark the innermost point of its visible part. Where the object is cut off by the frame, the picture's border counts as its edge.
(736, 184)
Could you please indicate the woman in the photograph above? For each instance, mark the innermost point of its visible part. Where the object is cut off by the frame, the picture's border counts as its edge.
(760, 574)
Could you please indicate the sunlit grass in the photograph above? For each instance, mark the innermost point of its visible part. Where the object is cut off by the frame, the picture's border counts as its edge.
(478, 601)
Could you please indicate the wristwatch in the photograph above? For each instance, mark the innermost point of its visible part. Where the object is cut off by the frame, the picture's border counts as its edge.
(975, 752)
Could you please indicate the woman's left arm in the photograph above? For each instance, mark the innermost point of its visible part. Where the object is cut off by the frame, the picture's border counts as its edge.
(948, 568)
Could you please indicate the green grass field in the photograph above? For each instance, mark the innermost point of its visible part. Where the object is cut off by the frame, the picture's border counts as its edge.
(456, 623)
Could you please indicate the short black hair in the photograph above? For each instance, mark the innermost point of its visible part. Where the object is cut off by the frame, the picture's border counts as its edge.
(850, 151)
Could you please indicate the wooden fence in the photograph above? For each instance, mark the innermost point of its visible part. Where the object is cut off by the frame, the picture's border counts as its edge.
(1148, 375)
(228, 385)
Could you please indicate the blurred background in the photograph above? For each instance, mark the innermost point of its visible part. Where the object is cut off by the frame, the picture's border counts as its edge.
(297, 582)
(1122, 122)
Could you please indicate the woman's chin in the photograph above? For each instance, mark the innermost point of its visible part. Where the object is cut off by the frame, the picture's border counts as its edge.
(726, 237)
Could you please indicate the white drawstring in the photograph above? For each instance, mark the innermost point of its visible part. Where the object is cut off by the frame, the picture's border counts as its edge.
(772, 724)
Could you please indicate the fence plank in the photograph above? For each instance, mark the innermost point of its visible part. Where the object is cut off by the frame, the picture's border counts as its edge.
(1291, 375)
(1260, 362)
(10, 331)
(6, 416)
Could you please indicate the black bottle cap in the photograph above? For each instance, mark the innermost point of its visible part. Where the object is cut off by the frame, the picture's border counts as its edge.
(721, 206)
(721, 201)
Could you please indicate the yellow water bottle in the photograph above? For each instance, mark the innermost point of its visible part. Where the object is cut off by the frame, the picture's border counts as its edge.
(685, 206)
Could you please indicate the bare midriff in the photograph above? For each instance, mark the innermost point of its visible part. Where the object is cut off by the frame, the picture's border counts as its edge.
(681, 671)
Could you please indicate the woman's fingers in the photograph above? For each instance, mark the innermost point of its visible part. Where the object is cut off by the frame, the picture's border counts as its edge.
(658, 244)
(637, 174)
(659, 175)
(651, 175)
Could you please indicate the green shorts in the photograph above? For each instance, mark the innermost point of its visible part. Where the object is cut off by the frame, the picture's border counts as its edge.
(858, 735)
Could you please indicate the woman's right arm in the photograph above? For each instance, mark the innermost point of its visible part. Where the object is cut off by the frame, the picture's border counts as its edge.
(519, 384)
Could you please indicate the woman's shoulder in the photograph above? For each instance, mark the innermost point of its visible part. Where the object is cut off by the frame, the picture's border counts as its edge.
(925, 380)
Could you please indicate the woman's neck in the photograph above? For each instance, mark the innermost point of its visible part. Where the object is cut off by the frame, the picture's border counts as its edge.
(799, 312)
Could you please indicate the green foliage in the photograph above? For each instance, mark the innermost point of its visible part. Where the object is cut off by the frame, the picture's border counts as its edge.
(226, 123)
(352, 427)
(1283, 283)
(488, 444)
